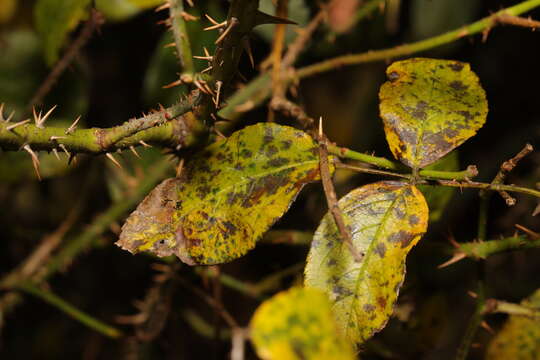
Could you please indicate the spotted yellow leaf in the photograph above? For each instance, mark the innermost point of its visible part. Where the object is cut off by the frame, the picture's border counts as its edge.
(386, 220)
(520, 336)
(226, 197)
(430, 107)
(298, 325)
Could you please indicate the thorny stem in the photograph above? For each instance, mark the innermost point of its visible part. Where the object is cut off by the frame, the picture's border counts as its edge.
(70, 310)
(484, 249)
(474, 324)
(181, 38)
(172, 127)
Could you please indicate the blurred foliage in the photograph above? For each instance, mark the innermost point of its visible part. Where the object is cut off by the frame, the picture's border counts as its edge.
(433, 307)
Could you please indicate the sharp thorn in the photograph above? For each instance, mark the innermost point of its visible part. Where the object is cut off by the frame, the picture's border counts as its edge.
(173, 84)
(132, 148)
(209, 58)
(206, 53)
(262, 18)
(207, 69)
(472, 294)
(218, 91)
(72, 127)
(55, 152)
(320, 128)
(171, 44)
(144, 144)
(211, 19)
(63, 147)
(233, 23)
(454, 259)
(11, 127)
(247, 47)
(216, 26)
(165, 6)
(180, 167)
(115, 162)
(10, 116)
(35, 159)
(45, 117)
(486, 326)
(54, 138)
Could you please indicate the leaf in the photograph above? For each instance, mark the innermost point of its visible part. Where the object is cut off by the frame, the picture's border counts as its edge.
(54, 19)
(438, 197)
(429, 107)
(520, 336)
(386, 220)
(226, 198)
(298, 325)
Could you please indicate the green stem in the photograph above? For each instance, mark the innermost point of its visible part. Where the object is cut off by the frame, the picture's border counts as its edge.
(342, 152)
(499, 306)
(484, 249)
(181, 38)
(70, 310)
(262, 88)
(167, 127)
(474, 323)
(489, 186)
(407, 49)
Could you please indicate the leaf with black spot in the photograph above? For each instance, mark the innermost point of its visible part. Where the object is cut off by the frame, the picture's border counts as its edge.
(429, 107)
(298, 325)
(226, 198)
(386, 219)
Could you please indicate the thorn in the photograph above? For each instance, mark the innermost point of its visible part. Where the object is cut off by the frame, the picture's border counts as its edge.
(72, 127)
(216, 26)
(54, 137)
(165, 6)
(144, 144)
(55, 152)
(115, 162)
(35, 159)
(529, 232)
(234, 22)
(72, 158)
(132, 148)
(171, 44)
(180, 167)
(247, 47)
(10, 116)
(63, 147)
(262, 18)
(207, 69)
(454, 259)
(211, 20)
(11, 127)
(472, 294)
(320, 128)
(219, 133)
(218, 91)
(486, 326)
(200, 87)
(206, 51)
(209, 58)
(41, 120)
(190, 3)
(536, 211)
(173, 84)
(188, 17)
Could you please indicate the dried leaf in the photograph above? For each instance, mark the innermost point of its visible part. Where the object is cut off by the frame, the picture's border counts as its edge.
(520, 336)
(298, 325)
(226, 198)
(54, 20)
(429, 107)
(386, 220)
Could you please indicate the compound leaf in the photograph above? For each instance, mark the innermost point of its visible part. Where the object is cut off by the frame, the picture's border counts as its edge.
(430, 107)
(226, 198)
(520, 336)
(54, 20)
(386, 220)
(298, 325)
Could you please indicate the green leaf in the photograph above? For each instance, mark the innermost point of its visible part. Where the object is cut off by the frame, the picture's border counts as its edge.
(119, 10)
(520, 336)
(54, 20)
(226, 198)
(430, 107)
(438, 197)
(298, 325)
(386, 220)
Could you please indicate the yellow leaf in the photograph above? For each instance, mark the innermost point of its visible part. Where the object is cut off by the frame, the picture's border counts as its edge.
(429, 107)
(226, 198)
(298, 325)
(519, 338)
(386, 220)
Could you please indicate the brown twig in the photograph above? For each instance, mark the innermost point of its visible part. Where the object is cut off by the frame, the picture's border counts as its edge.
(301, 40)
(331, 197)
(289, 108)
(92, 24)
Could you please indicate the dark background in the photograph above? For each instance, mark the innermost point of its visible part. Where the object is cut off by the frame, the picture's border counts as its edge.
(114, 78)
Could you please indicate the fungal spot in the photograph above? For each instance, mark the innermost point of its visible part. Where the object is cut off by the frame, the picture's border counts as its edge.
(402, 237)
(414, 220)
(419, 111)
(458, 85)
(368, 308)
(393, 76)
(456, 66)
(380, 249)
